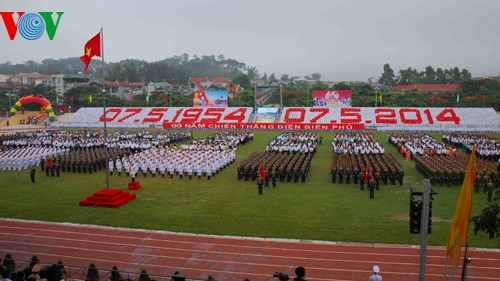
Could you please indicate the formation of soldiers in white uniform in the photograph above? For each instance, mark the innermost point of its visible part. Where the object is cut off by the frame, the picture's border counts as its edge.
(23, 158)
(173, 162)
(293, 142)
(486, 147)
(133, 140)
(201, 157)
(22, 150)
(418, 144)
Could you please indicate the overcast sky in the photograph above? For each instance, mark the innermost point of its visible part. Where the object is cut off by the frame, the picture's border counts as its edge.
(342, 40)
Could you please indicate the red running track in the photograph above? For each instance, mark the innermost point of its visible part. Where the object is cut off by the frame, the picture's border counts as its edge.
(227, 258)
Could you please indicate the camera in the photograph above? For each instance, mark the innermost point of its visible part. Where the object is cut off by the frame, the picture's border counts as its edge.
(281, 276)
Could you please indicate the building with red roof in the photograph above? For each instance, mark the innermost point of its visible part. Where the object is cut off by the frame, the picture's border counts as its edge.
(198, 83)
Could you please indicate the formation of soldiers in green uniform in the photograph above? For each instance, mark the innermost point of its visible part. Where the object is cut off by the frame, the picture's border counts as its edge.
(279, 166)
(381, 168)
(450, 170)
(359, 157)
(88, 159)
(288, 156)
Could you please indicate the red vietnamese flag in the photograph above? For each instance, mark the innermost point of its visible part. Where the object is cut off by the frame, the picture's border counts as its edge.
(263, 171)
(165, 99)
(92, 48)
(367, 173)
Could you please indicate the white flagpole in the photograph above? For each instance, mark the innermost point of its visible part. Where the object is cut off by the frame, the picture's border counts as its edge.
(457, 252)
(104, 107)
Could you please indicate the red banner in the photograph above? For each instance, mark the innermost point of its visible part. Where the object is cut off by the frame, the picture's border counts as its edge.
(265, 126)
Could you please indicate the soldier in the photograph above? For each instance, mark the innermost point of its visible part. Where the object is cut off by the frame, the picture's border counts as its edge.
(238, 170)
(42, 163)
(32, 174)
(84, 164)
(371, 187)
(348, 173)
(111, 166)
(57, 168)
(490, 190)
(260, 184)
(274, 176)
(361, 181)
(340, 170)
(334, 169)
(48, 166)
(63, 164)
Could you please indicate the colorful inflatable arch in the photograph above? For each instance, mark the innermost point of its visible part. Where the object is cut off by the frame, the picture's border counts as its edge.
(44, 102)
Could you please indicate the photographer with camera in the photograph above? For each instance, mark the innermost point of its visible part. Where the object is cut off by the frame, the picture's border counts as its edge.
(281, 276)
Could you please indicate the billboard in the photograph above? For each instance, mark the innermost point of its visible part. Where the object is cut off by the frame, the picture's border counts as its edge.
(266, 115)
(210, 99)
(268, 96)
(332, 98)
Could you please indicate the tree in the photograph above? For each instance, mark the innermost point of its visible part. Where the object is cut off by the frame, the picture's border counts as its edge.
(341, 86)
(430, 74)
(489, 219)
(272, 78)
(316, 76)
(456, 75)
(264, 77)
(466, 75)
(319, 86)
(388, 76)
(284, 77)
(242, 80)
(252, 73)
(440, 76)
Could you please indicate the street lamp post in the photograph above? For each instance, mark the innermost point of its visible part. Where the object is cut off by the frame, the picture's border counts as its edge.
(376, 96)
(10, 103)
(10, 95)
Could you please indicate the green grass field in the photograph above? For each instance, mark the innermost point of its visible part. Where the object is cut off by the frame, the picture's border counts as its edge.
(315, 210)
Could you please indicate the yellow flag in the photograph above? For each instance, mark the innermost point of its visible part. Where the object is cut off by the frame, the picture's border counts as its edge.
(90, 98)
(380, 98)
(459, 229)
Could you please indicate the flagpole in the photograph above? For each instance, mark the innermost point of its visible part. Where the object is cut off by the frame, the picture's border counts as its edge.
(464, 266)
(457, 251)
(106, 164)
(445, 268)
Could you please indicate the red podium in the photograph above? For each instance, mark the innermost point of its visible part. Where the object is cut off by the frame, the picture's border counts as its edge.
(111, 198)
(134, 185)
